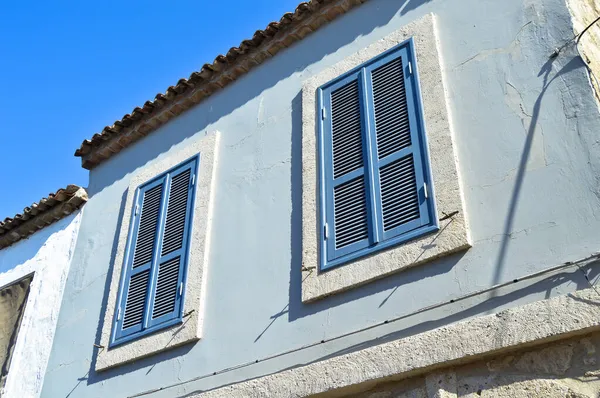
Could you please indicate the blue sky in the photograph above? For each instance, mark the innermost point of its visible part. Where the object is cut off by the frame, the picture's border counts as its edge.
(69, 68)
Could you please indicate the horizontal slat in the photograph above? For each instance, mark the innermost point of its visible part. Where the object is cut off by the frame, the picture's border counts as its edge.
(391, 111)
(399, 195)
(144, 243)
(136, 299)
(176, 213)
(350, 213)
(346, 129)
(166, 288)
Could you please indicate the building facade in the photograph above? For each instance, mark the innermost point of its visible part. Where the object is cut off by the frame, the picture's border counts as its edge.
(367, 198)
(36, 249)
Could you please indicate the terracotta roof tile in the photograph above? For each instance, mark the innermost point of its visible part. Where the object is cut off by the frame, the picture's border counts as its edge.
(292, 26)
(41, 214)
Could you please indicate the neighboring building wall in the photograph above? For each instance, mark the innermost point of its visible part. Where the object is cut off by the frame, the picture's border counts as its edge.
(584, 13)
(524, 129)
(45, 256)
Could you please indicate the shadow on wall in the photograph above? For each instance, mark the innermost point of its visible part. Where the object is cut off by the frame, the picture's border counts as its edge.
(486, 306)
(27, 249)
(573, 64)
(221, 104)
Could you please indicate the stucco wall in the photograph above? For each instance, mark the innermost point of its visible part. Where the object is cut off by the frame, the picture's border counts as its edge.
(528, 167)
(47, 256)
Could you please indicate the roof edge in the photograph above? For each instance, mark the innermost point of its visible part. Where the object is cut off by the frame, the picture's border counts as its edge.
(225, 69)
(41, 214)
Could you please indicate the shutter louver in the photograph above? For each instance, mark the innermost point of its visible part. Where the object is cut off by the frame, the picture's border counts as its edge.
(391, 111)
(136, 299)
(349, 200)
(400, 202)
(166, 288)
(144, 243)
(399, 194)
(350, 213)
(346, 130)
(176, 213)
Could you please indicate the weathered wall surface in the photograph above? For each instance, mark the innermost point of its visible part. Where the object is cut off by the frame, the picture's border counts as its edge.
(565, 369)
(47, 256)
(13, 300)
(525, 128)
(584, 13)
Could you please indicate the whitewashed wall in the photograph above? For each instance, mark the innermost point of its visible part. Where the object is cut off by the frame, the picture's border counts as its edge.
(47, 255)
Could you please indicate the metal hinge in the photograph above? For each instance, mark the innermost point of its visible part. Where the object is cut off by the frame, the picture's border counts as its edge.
(426, 190)
(323, 114)
(119, 314)
(326, 231)
(193, 180)
(410, 68)
(181, 289)
(137, 208)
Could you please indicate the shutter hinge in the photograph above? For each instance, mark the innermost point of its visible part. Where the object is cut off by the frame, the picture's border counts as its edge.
(193, 180)
(137, 208)
(323, 114)
(119, 314)
(410, 68)
(326, 231)
(426, 190)
(180, 289)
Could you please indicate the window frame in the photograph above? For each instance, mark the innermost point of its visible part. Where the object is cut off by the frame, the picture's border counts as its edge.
(326, 262)
(116, 336)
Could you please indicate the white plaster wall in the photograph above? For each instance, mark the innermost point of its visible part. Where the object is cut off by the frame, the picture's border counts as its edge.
(46, 255)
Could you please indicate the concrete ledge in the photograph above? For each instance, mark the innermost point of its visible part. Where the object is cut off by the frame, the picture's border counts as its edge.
(532, 324)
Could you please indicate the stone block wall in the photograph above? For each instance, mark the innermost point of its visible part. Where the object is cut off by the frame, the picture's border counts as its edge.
(566, 369)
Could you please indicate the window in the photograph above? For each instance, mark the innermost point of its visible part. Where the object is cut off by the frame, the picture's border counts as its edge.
(375, 179)
(154, 271)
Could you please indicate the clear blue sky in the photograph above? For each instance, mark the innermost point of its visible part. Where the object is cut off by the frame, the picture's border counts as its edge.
(69, 68)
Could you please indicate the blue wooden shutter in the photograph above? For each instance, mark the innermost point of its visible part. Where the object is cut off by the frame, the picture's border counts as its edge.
(399, 165)
(168, 283)
(154, 276)
(134, 300)
(373, 159)
(347, 226)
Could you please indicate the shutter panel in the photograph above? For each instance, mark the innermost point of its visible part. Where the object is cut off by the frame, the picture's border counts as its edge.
(166, 288)
(136, 299)
(146, 236)
(166, 297)
(139, 267)
(346, 130)
(399, 163)
(348, 215)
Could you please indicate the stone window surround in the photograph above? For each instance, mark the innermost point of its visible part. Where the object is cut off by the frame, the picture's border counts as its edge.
(453, 235)
(191, 328)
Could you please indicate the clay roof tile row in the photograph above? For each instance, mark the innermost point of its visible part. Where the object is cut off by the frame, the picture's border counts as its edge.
(41, 214)
(292, 26)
